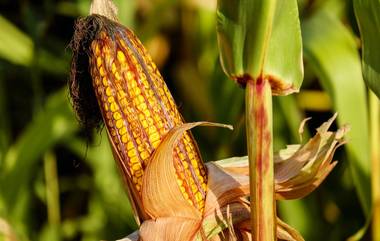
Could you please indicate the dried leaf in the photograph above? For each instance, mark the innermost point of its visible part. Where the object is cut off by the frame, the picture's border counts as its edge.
(223, 187)
(169, 228)
(299, 169)
(284, 231)
(161, 195)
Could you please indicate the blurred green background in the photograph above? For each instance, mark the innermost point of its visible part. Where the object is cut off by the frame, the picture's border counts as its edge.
(59, 182)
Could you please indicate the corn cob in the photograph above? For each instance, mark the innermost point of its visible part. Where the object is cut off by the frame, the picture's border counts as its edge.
(139, 110)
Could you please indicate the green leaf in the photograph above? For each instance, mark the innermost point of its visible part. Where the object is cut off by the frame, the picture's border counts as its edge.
(15, 46)
(368, 17)
(331, 51)
(261, 38)
(50, 125)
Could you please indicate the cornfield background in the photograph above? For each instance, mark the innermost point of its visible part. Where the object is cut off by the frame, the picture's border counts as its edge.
(59, 182)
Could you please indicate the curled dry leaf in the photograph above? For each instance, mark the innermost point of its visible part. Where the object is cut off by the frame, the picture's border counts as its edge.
(299, 169)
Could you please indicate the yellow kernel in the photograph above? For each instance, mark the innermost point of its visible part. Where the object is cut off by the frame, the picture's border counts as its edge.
(181, 156)
(155, 144)
(132, 153)
(183, 190)
(108, 91)
(98, 61)
(140, 98)
(136, 166)
(121, 94)
(152, 130)
(134, 159)
(144, 124)
(105, 81)
(155, 137)
(198, 197)
(119, 123)
(138, 187)
(185, 195)
(117, 76)
(194, 188)
(102, 71)
(144, 155)
(111, 99)
(97, 81)
(130, 75)
(185, 165)
(123, 130)
(120, 56)
(194, 163)
(140, 148)
(113, 67)
(97, 49)
(124, 139)
(105, 106)
(146, 112)
(130, 145)
(114, 107)
(117, 115)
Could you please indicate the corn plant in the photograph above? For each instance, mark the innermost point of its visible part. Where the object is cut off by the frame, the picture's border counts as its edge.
(172, 194)
(58, 181)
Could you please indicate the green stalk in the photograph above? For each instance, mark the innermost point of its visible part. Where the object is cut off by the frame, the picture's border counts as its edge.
(260, 154)
(52, 188)
(375, 157)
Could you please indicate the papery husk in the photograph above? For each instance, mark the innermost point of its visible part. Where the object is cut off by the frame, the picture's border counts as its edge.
(172, 216)
(284, 231)
(169, 228)
(227, 211)
(161, 195)
(299, 169)
(223, 188)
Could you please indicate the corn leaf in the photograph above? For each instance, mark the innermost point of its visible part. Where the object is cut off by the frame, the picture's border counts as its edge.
(261, 38)
(15, 46)
(331, 51)
(51, 125)
(368, 17)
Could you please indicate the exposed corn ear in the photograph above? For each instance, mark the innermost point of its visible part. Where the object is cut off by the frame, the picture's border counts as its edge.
(136, 106)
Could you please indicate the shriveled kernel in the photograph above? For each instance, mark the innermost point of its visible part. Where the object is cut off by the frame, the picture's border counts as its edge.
(138, 173)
